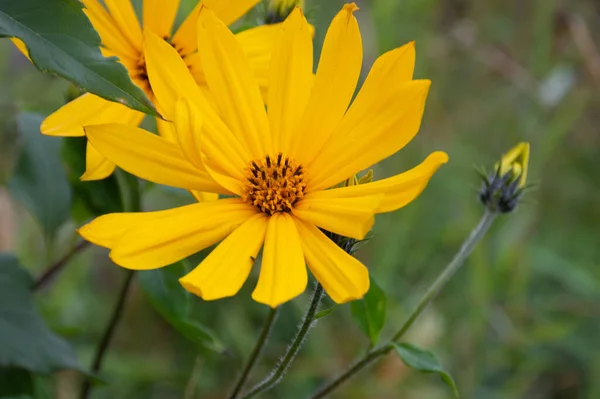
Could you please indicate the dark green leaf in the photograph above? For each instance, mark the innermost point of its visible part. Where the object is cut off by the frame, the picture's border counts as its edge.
(172, 301)
(424, 361)
(91, 198)
(26, 341)
(60, 39)
(325, 312)
(15, 383)
(369, 312)
(39, 181)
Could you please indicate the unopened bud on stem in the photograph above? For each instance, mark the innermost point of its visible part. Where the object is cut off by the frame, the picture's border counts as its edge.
(502, 189)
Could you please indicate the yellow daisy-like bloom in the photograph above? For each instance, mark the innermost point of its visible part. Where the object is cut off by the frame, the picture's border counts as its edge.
(121, 35)
(278, 166)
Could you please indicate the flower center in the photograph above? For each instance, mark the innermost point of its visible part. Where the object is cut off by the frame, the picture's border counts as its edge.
(140, 75)
(274, 184)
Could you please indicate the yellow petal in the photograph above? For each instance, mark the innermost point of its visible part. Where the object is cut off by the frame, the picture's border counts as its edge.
(372, 130)
(343, 276)
(283, 273)
(188, 126)
(131, 64)
(109, 31)
(166, 129)
(398, 190)
(149, 156)
(107, 230)
(517, 159)
(335, 82)
(165, 240)
(227, 10)
(230, 11)
(291, 80)
(124, 16)
(159, 15)
(88, 109)
(235, 186)
(258, 44)
(20, 46)
(194, 65)
(171, 80)
(350, 217)
(97, 166)
(233, 86)
(224, 271)
(202, 196)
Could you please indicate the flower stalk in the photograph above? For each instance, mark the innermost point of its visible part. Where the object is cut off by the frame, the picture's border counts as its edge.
(457, 261)
(108, 334)
(277, 374)
(49, 274)
(260, 344)
(129, 188)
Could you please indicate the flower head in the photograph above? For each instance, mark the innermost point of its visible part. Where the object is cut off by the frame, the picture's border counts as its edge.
(122, 36)
(502, 189)
(278, 165)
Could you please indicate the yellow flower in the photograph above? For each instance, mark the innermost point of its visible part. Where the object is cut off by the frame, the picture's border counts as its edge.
(515, 162)
(122, 36)
(277, 166)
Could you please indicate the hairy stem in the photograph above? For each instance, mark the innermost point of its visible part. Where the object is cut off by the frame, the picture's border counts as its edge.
(277, 374)
(260, 343)
(457, 261)
(51, 271)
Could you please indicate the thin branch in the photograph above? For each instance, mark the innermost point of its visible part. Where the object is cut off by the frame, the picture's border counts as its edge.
(48, 275)
(448, 271)
(262, 340)
(108, 334)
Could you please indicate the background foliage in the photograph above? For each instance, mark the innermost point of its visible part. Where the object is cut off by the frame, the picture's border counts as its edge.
(519, 321)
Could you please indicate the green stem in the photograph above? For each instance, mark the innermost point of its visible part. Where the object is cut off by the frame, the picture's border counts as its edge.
(108, 334)
(262, 340)
(276, 375)
(190, 387)
(129, 188)
(48, 275)
(465, 250)
(451, 268)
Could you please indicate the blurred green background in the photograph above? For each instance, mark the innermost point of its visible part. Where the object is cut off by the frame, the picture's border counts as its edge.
(520, 320)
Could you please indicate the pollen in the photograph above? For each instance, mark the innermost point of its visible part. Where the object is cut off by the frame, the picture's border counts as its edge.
(274, 184)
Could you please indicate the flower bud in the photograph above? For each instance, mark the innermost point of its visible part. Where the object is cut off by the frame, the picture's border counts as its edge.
(502, 189)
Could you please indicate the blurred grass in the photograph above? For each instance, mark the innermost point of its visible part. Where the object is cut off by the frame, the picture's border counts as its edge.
(519, 321)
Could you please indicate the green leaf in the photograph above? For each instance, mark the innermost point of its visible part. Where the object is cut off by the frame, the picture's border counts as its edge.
(325, 312)
(424, 361)
(15, 383)
(369, 312)
(39, 181)
(26, 341)
(91, 198)
(60, 39)
(172, 302)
